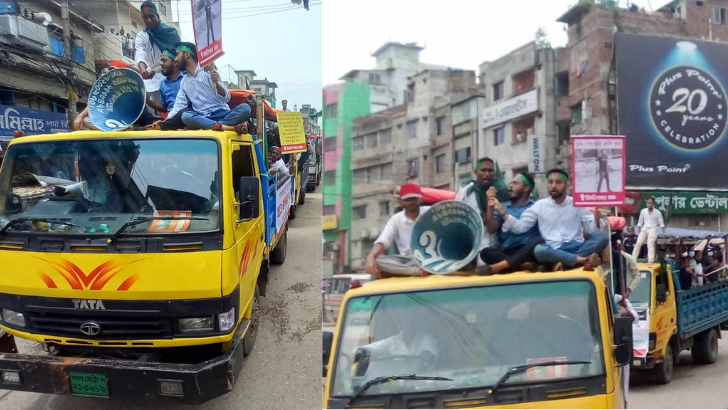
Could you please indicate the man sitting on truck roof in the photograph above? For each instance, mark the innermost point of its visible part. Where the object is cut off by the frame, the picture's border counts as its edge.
(562, 227)
(207, 95)
(168, 89)
(399, 231)
(515, 249)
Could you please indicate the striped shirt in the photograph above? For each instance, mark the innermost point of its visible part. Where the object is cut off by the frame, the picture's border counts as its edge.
(199, 91)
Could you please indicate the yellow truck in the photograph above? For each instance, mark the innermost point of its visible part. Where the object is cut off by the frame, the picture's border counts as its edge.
(137, 259)
(536, 340)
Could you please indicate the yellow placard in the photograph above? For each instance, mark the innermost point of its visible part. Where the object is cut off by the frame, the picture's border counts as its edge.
(290, 127)
(330, 222)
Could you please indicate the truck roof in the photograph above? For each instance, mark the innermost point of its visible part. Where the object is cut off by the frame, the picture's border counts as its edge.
(222, 136)
(413, 284)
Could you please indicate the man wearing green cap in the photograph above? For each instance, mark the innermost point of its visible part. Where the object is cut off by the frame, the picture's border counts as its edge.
(475, 195)
(149, 45)
(168, 89)
(516, 250)
(572, 234)
(206, 95)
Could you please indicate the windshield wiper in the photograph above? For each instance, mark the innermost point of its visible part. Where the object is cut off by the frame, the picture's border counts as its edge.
(140, 221)
(521, 369)
(21, 220)
(387, 379)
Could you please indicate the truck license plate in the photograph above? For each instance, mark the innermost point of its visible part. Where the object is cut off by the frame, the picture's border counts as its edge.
(89, 384)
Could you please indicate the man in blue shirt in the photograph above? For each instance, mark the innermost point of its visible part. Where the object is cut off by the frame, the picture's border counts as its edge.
(515, 249)
(168, 89)
(206, 94)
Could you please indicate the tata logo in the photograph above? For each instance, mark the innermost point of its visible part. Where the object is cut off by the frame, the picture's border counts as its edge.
(90, 304)
(91, 328)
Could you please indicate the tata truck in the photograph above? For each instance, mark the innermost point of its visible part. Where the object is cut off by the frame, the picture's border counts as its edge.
(137, 259)
(522, 340)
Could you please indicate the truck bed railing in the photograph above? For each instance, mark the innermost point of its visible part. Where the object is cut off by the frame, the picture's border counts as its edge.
(701, 308)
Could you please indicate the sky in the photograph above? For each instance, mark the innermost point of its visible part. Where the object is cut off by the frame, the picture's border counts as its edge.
(456, 33)
(275, 38)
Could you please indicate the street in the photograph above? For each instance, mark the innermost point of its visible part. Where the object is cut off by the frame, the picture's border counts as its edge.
(283, 369)
(692, 387)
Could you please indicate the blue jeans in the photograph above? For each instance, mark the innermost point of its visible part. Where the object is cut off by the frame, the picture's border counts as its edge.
(570, 251)
(237, 115)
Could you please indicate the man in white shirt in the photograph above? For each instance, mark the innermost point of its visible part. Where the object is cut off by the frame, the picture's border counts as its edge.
(277, 165)
(650, 223)
(562, 226)
(697, 267)
(284, 106)
(398, 231)
(149, 45)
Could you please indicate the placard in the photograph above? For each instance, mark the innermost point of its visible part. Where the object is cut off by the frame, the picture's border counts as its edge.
(283, 203)
(598, 170)
(207, 24)
(290, 127)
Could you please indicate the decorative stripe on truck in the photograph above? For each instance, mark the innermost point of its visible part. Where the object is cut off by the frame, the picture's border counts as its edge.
(96, 280)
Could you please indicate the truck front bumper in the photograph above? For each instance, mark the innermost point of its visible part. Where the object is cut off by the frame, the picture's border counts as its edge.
(127, 378)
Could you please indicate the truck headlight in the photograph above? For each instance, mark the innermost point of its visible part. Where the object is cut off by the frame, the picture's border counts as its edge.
(13, 318)
(227, 320)
(197, 324)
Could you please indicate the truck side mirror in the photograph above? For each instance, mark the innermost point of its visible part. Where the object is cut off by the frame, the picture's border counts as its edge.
(328, 339)
(623, 340)
(249, 198)
(661, 295)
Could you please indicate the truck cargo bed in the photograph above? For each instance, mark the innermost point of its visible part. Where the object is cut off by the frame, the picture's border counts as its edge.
(701, 308)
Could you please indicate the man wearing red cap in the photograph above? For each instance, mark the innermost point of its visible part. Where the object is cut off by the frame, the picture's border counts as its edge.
(398, 231)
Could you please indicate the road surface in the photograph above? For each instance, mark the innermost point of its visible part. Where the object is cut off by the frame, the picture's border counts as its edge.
(692, 386)
(284, 370)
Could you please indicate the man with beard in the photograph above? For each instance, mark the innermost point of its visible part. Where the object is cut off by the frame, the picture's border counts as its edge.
(398, 231)
(207, 96)
(475, 195)
(169, 88)
(149, 45)
(562, 226)
(516, 250)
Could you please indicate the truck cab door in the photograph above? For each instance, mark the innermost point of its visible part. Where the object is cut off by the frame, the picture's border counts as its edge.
(663, 313)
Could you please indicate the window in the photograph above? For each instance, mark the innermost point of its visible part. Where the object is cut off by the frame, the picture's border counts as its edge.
(330, 177)
(440, 164)
(719, 15)
(331, 110)
(329, 210)
(370, 141)
(330, 144)
(57, 47)
(412, 129)
(374, 78)
(360, 176)
(162, 9)
(499, 136)
(359, 212)
(385, 137)
(7, 97)
(523, 82)
(374, 174)
(520, 129)
(438, 125)
(576, 114)
(386, 172)
(242, 164)
(562, 84)
(383, 208)
(79, 56)
(462, 156)
(413, 167)
(358, 143)
(498, 91)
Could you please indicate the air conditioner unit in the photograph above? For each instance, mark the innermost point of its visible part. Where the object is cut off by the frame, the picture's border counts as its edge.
(26, 32)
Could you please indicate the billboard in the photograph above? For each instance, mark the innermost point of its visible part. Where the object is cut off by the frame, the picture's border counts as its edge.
(672, 108)
(31, 122)
(598, 170)
(207, 24)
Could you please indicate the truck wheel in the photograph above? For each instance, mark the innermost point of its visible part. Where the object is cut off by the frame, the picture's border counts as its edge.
(663, 371)
(310, 188)
(292, 213)
(252, 333)
(705, 350)
(302, 197)
(278, 256)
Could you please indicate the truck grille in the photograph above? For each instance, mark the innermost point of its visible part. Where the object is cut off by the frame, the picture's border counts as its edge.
(110, 326)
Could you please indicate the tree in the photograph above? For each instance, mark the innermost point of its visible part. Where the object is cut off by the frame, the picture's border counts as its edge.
(542, 38)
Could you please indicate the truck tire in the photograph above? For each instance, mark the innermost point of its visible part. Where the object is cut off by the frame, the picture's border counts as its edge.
(663, 371)
(310, 188)
(252, 333)
(278, 256)
(705, 350)
(302, 197)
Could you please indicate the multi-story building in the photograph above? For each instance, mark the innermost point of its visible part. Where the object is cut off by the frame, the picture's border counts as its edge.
(245, 78)
(310, 120)
(517, 122)
(37, 82)
(465, 118)
(265, 88)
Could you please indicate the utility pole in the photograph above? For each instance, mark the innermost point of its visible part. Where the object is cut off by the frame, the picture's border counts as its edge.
(72, 97)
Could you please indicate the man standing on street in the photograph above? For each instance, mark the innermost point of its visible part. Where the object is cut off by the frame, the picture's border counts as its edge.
(207, 95)
(149, 46)
(398, 231)
(562, 227)
(649, 223)
(515, 249)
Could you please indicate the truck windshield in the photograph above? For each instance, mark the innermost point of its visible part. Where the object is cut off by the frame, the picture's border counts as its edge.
(640, 297)
(99, 185)
(470, 335)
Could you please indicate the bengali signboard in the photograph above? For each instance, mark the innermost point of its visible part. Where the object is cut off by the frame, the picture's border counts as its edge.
(597, 170)
(687, 202)
(207, 24)
(117, 99)
(671, 96)
(510, 109)
(30, 122)
(330, 222)
(290, 127)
